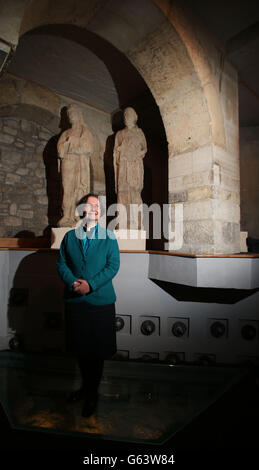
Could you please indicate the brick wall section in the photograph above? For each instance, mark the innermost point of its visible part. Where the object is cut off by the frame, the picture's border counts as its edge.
(23, 196)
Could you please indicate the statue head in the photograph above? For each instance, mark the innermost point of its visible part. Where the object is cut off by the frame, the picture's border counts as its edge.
(75, 114)
(130, 117)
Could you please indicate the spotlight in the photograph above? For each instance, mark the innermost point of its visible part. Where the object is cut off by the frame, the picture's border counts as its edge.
(119, 323)
(179, 329)
(15, 343)
(218, 329)
(123, 324)
(248, 332)
(147, 328)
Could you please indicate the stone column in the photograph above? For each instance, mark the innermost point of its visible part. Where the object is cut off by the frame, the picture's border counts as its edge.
(206, 182)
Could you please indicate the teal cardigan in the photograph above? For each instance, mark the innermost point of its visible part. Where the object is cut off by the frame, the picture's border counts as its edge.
(97, 266)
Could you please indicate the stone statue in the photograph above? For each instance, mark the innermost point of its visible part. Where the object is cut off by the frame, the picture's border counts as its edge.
(75, 147)
(129, 150)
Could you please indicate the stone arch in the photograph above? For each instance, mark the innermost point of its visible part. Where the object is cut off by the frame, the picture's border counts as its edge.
(32, 117)
(169, 56)
(183, 75)
(185, 26)
(28, 112)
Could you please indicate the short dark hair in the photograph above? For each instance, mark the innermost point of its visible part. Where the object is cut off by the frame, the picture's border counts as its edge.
(85, 198)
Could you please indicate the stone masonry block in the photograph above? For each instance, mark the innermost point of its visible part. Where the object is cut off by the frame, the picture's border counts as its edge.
(202, 178)
(8, 93)
(178, 197)
(202, 159)
(22, 171)
(232, 138)
(203, 192)
(6, 138)
(226, 195)
(230, 232)
(26, 214)
(13, 221)
(43, 200)
(226, 210)
(10, 130)
(180, 165)
(227, 237)
(176, 184)
(227, 161)
(13, 209)
(187, 163)
(13, 123)
(197, 210)
(11, 157)
(228, 182)
(12, 178)
(37, 95)
(199, 232)
(182, 134)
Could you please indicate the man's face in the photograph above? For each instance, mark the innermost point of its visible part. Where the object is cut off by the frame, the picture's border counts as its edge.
(92, 209)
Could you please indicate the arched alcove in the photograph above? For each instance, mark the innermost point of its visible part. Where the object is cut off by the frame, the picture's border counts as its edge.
(122, 78)
(144, 33)
(183, 70)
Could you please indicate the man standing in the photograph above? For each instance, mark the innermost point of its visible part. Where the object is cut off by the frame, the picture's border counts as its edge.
(87, 265)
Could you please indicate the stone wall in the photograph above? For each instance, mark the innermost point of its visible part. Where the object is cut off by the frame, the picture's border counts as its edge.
(196, 91)
(204, 177)
(203, 142)
(30, 122)
(249, 165)
(24, 201)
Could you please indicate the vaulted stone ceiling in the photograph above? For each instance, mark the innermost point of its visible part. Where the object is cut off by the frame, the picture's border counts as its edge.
(66, 67)
(85, 66)
(82, 64)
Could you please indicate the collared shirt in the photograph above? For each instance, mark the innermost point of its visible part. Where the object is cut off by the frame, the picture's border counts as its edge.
(89, 235)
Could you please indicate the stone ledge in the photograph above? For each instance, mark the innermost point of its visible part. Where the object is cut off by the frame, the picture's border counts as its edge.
(44, 243)
(238, 271)
(211, 272)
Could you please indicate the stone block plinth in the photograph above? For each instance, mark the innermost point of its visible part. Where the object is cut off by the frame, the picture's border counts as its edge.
(131, 240)
(57, 235)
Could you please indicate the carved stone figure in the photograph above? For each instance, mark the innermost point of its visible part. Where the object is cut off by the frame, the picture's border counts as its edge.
(75, 147)
(129, 150)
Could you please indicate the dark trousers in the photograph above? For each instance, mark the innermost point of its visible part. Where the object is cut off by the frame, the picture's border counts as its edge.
(91, 372)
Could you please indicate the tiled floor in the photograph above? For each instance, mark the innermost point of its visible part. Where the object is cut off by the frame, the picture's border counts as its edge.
(139, 402)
